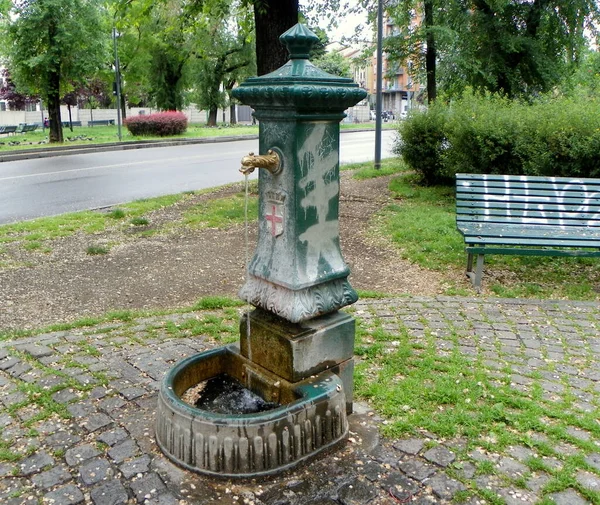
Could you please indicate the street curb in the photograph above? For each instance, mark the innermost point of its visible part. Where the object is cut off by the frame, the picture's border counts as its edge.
(49, 152)
(28, 154)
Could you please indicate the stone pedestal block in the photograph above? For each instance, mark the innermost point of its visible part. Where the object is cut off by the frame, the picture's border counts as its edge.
(297, 351)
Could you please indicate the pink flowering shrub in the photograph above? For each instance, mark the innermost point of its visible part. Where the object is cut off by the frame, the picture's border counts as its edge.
(161, 124)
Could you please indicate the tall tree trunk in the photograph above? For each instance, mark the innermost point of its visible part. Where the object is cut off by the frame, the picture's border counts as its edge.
(232, 114)
(212, 117)
(56, 133)
(272, 18)
(123, 106)
(431, 54)
(53, 82)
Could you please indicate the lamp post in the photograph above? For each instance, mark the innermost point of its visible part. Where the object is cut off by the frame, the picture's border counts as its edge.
(117, 84)
(379, 82)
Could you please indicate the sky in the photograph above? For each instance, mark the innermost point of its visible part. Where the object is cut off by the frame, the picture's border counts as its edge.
(347, 23)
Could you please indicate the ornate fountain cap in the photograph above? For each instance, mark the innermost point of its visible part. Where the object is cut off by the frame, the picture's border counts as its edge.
(299, 40)
(298, 86)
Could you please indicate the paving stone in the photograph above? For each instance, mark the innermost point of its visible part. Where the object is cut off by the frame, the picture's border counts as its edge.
(98, 393)
(112, 403)
(136, 466)
(66, 495)
(81, 409)
(466, 469)
(8, 363)
(400, 487)
(95, 470)
(62, 440)
(409, 446)
(35, 463)
(64, 396)
(35, 350)
(5, 469)
(511, 467)
(147, 487)
(13, 399)
(372, 470)
(50, 478)
(19, 369)
(109, 493)
(80, 453)
(588, 480)
(444, 487)
(521, 453)
(113, 437)
(439, 455)
(417, 469)
(124, 450)
(568, 497)
(356, 493)
(517, 496)
(578, 433)
(131, 393)
(96, 421)
(170, 499)
(537, 482)
(5, 420)
(593, 460)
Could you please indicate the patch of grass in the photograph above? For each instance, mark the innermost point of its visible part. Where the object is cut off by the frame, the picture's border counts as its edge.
(222, 212)
(371, 294)
(389, 166)
(32, 246)
(216, 302)
(116, 214)
(94, 250)
(139, 221)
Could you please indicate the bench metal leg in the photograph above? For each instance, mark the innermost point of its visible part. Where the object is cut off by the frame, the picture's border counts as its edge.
(478, 271)
(469, 263)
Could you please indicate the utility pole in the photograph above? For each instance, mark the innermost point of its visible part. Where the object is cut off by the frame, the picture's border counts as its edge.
(118, 84)
(379, 84)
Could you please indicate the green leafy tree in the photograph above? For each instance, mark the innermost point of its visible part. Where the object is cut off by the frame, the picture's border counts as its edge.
(225, 57)
(51, 44)
(508, 46)
(334, 63)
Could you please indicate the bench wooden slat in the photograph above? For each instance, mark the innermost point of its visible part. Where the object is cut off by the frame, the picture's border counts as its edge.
(573, 253)
(531, 232)
(491, 214)
(533, 188)
(507, 200)
(531, 178)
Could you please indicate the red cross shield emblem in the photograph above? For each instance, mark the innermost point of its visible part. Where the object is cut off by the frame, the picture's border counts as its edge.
(274, 217)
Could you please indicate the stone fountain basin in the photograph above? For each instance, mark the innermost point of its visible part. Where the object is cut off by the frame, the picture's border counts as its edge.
(311, 418)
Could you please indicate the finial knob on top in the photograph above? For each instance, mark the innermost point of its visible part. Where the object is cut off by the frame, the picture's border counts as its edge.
(299, 40)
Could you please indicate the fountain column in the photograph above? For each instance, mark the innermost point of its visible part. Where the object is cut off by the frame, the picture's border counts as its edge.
(298, 277)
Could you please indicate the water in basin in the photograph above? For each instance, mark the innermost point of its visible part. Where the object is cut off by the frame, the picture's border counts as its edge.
(223, 394)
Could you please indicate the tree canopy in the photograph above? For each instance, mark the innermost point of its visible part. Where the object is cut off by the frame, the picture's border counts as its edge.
(52, 44)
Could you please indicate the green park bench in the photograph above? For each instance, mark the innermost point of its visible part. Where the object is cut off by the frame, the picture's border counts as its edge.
(7, 129)
(526, 215)
(101, 122)
(24, 128)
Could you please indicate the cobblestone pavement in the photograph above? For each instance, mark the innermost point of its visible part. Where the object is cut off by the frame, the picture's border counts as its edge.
(78, 409)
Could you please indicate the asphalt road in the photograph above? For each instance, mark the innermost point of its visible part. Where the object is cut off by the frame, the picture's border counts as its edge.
(52, 186)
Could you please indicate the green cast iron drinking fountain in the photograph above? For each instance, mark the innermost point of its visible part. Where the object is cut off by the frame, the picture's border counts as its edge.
(296, 348)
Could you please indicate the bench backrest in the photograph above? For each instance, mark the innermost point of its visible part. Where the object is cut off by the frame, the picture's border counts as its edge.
(527, 200)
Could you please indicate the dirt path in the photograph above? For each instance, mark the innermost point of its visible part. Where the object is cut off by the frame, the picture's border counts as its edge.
(176, 267)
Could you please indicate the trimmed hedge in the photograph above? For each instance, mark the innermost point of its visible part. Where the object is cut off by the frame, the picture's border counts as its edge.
(493, 135)
(161, 124)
